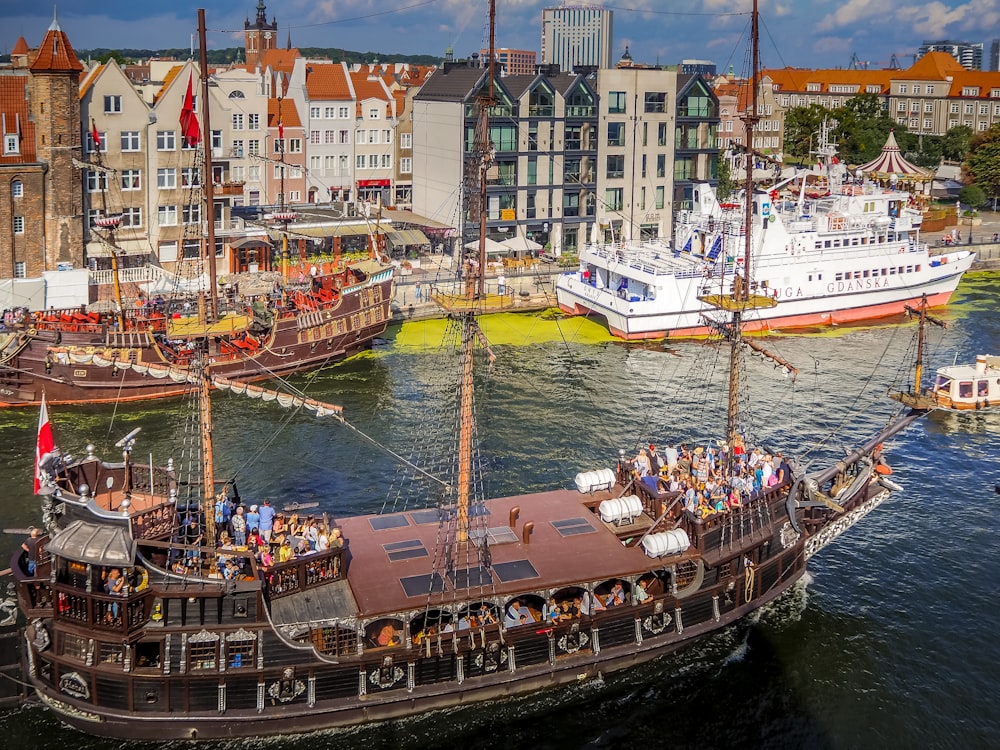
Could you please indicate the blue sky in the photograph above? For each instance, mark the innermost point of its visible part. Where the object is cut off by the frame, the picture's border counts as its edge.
(800, 33)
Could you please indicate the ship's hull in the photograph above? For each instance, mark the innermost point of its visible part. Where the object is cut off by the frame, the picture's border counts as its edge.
(77, 367)
(183, 723)
(801, 303)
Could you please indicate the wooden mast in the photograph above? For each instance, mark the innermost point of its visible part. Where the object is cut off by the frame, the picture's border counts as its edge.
(207, 186)
(476, 288)
(741, 285)
(207, 453)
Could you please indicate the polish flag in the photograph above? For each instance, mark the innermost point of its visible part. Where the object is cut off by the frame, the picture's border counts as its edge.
(95, 135)
(190, 131)
(46, 443)
(281, 131)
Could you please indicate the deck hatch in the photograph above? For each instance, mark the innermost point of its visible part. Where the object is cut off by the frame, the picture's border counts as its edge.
(515, 570)
(463, 578)
(571, 526)
(405, 550)
(430, 583)
(494, 535)
(380, 523)
(428, 516)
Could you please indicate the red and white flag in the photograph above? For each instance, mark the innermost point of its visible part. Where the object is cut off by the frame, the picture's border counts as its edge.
(281, 133)
(95, 136)
(45, 443)
(190, 130)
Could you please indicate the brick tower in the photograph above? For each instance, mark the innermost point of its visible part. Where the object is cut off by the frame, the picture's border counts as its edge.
(55, 107)
(260, 35)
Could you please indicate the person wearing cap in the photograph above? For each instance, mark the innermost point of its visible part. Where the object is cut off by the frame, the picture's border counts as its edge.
(266, 513)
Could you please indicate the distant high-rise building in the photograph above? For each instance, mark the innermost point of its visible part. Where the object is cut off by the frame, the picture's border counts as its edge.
(698, 67)
(576, 35)
(994, 56)
(514, 62)
(968, 54)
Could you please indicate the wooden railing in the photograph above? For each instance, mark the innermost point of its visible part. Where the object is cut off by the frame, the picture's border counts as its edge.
(104, 612)
(305, 572)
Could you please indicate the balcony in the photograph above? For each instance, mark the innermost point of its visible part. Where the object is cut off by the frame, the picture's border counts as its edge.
(229, 188)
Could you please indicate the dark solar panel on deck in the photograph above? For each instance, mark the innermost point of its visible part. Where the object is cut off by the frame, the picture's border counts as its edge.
(571, 526)
(422, 585)
(516, 570)
(431, 515)
(388, 522)
(463, 578)
(405, 550)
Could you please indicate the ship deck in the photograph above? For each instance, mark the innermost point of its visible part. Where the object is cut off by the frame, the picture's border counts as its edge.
(392, 556)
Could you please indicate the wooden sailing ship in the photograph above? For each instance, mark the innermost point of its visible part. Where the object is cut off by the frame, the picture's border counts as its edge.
(472, 600)
(143, 350)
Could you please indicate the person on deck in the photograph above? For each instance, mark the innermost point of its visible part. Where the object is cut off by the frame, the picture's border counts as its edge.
(31, 547)
(266, 525)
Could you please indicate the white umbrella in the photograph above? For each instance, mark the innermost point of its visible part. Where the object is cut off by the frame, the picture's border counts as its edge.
(520, 244)
(492, 246)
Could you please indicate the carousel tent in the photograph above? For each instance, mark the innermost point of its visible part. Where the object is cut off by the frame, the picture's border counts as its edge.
(890, 166)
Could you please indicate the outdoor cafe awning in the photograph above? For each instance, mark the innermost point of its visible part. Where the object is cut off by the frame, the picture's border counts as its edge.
(406, 237)
(333, 230)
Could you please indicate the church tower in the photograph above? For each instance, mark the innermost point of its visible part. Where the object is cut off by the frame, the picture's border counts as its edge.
(260, 36)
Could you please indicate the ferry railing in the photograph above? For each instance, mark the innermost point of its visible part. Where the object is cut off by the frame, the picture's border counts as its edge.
(305, 572)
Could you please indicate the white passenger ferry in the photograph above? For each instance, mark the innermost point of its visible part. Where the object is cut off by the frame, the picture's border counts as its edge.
(853, 255)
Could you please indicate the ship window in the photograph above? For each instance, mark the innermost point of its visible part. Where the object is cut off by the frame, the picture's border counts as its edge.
(900, 269)
(516, 570)
(983, 388)
(909, 269)
(965, 389)
(111, 653)
(866, 273)
(405, 550)
(892, 271)
(239, 649)
(431, 583)
(916, 268)
(379, 523)
(884, 272)
(74, 646)
(572, 526)
(463, 578)
(203, 649)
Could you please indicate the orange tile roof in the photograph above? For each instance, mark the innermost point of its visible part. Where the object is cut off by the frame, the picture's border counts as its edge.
(797, 79)
(20, 47)
(90, 79)
(170, 76)
(277, 59)
(327, 81)
(934, 66)
(56, 53)
(14, 114)
(369, 88)
(289, 113)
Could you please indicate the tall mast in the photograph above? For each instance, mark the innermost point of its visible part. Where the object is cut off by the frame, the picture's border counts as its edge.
(476, 287)
(741, 285)
(207, 186)
(207, 455)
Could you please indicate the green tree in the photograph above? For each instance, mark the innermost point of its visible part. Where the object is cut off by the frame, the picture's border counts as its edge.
(726, 184)
(982, 163)
(801, 126)
(972, 196)
(956, 143)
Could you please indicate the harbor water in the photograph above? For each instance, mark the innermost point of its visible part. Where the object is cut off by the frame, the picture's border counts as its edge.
(887, 643)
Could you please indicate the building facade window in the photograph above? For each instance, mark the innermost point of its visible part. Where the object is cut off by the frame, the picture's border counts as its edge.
(238, 121)
(16, 189)
(112, 104)
(97, 182)
(166, 178)
(191, 213)
(405, 165)
(131, 179)
(18, 223)
(406, 140)
(616, 133)
(20, 270)
(166, 216)
(616, 102)
(166, 140)
(132, 216)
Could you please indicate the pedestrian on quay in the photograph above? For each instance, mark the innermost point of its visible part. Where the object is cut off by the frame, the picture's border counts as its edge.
(501, 284)
(418, 292)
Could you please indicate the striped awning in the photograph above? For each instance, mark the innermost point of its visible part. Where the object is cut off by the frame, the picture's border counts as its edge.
(891, 162)
(332, 230)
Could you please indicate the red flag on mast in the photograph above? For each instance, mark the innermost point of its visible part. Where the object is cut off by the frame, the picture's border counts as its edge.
(95, 136)
(190, 130)
(45, 443)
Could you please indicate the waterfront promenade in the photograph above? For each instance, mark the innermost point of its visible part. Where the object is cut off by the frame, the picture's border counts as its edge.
(534, 289)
